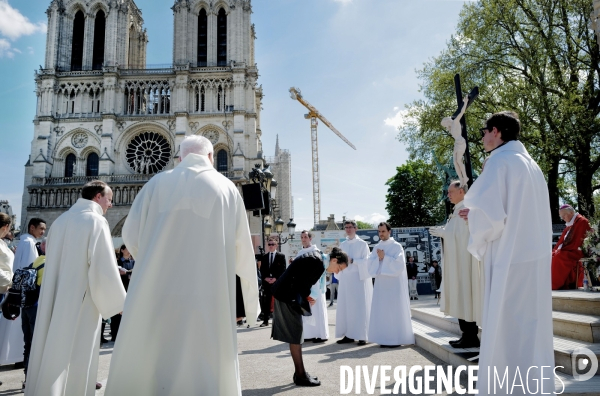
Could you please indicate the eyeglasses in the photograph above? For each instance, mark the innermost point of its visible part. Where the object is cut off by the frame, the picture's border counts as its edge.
(347, 227)
(484, 130)
(271, 244)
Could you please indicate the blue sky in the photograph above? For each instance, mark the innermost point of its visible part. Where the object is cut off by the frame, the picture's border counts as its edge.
(354, 60)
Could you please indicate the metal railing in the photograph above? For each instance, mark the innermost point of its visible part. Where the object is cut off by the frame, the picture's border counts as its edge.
(80, 180)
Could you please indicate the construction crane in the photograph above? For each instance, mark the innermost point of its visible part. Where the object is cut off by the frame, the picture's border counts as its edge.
(312, 115)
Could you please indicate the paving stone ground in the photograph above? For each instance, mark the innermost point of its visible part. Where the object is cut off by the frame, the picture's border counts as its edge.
(266, 366)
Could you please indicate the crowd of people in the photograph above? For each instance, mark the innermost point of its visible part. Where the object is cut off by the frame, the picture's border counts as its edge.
(187, 234)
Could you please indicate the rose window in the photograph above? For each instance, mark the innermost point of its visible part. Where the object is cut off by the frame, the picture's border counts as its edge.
(148, 153)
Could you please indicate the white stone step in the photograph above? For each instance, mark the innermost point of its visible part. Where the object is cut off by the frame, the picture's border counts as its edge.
(577, 326)
(435, 341)
(576, 301)
(563, 347)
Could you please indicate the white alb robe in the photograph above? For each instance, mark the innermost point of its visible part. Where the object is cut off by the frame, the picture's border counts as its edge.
(511, 231)
(462, 297)
(188, 232)
(7, 258)
(390, 322)
(355, 293)
(11, 333)
(81, 283)
(316, 325)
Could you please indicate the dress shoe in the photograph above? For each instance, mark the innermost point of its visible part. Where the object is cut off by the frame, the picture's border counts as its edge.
(306, 380)
(319, 340)
(455, 341)
(416, 298)
(264, 324)
(311, 376)
(308, 339)
(98, 385)
(467, 343)
(103, 340)
(345, 340)
(362, 342)
(389, 346)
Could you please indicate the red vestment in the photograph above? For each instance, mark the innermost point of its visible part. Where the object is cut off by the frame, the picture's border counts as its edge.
(565, 260)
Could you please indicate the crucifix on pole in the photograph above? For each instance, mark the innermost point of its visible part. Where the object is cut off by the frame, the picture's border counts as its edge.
(473, 94)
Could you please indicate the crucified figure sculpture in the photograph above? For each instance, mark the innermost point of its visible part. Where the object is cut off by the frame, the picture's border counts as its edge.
(460, 144)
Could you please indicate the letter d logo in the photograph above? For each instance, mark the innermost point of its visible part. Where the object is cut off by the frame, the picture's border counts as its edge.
(580, 359)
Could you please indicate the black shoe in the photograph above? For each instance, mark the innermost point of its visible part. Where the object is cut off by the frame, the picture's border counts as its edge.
(18, 365)
(389, 346)
(306, 381)
(455, 341)
(416, 298)
(467, 343)
(103, 340)
(308, 339)
(319, 340)
(362, 342)
(311, 376)
(345, 340)
(264, 324)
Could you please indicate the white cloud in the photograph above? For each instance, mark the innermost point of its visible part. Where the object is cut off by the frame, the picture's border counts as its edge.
(373, 218)
(396, 120)
(5, 49)
(13, 24)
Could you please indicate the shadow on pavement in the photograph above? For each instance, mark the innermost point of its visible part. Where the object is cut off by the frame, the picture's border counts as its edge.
(268, 391)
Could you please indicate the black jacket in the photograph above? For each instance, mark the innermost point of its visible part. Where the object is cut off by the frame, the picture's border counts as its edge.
(299, 277)
(274, 270)
(412, 270)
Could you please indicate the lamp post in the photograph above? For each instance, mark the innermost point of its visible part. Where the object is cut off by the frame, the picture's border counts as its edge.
(264, 177)
(279, 229)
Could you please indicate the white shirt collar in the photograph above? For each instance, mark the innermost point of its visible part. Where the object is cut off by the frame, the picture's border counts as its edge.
(570, 223)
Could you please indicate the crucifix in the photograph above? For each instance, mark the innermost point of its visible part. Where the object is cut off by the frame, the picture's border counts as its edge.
(473, 94)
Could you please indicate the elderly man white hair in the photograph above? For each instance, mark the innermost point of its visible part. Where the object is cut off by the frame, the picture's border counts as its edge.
(187, 220)
(195, 144)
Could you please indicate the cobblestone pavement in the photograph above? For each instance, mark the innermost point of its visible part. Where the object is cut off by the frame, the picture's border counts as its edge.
(267, 369)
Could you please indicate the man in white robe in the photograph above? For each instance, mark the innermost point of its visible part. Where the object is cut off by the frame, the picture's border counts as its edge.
(81, 284)
(389, 324)
(188, 232)
(462, 295)
(11, 332)
(355, 291)
(508, 212)
(316, 326)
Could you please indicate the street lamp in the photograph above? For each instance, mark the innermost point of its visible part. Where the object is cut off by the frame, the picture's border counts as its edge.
(279, 229)
(264, 177)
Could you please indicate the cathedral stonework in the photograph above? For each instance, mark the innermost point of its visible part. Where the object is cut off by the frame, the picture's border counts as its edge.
(102, 113)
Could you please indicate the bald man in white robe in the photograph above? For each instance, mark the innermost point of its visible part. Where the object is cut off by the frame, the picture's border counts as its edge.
(188, 232)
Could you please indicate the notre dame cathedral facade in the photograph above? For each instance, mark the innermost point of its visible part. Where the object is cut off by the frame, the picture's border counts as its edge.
(102, 113)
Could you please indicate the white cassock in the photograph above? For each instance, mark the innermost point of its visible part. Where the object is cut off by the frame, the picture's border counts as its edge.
(316, 325)
(390, 322)
(462, 297)
(81, 283)
(188, 232)
(355, 292)
(7, 258)
(11, 334)
(511, 231)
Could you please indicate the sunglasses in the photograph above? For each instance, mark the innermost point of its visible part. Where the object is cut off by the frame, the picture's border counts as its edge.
(271, 244)
(484, 130)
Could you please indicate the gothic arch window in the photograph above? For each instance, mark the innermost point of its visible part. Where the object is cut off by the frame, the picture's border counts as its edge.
(77, 43)
(99, 34)
(92, 165)
(222, 38)
(220, 97)
(222, 162)
(202, 38)
(70, 165)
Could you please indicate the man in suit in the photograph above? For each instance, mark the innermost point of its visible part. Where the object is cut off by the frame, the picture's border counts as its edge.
(272, 265)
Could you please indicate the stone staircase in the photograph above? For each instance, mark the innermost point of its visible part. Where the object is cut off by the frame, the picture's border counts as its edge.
(576, 319)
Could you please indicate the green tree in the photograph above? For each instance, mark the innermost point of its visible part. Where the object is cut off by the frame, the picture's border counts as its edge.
(365, 226)
(536, 57)
(413, 197)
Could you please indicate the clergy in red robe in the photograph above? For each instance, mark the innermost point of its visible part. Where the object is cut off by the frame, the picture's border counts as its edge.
(567, 252)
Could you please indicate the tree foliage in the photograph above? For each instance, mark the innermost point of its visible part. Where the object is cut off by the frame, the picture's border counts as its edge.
(537, 57)
(414, 195)
(364, 225)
